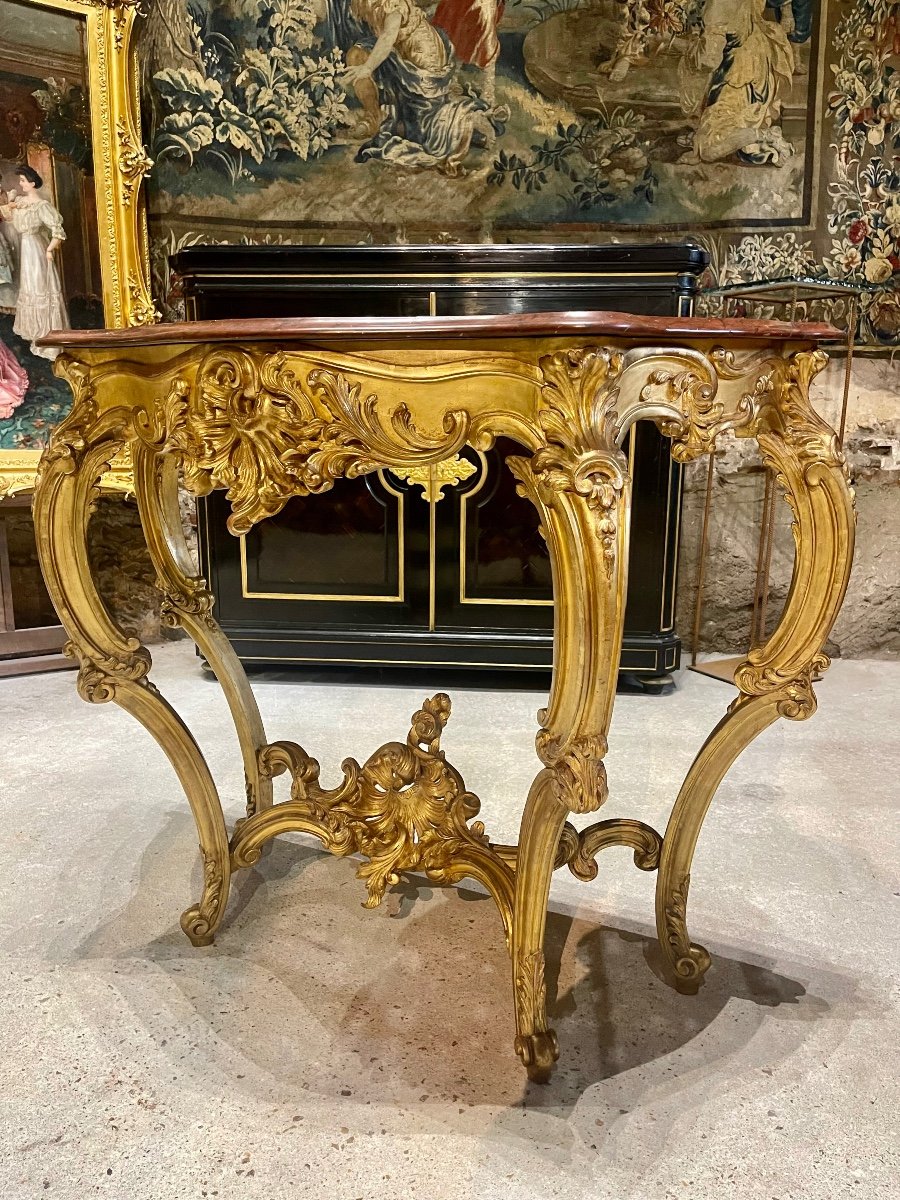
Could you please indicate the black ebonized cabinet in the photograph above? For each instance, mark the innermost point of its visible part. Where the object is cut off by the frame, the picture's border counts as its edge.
(373, 572)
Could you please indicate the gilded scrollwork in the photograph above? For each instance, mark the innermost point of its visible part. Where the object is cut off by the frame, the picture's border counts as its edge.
(642, 839)
(99, 678)
(73, 436)
(134, 162)
(250, 425)
(578, 773)
(199, 921)
(142, 308)
(688, 386)
(266, 424)
(577, 417)
(696, 399)
(405, 809)
(538, 1048)
(192, 599)
(805, 455)
(689, 962)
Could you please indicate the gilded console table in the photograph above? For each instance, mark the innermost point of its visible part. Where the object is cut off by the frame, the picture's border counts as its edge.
(279, 408)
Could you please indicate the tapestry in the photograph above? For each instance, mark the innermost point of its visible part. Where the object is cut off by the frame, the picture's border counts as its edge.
(391, 121)
(49, 251)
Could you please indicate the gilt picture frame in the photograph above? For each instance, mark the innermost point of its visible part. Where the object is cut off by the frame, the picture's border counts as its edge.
(69, 110)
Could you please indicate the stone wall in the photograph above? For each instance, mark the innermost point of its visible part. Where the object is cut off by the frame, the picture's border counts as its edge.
(869, 624)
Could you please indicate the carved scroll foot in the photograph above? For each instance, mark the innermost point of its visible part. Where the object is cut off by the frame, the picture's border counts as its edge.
(538, 1052)
(542, 825)
(746, 719)
(687, 962)
(200, 921)
(535, 1044)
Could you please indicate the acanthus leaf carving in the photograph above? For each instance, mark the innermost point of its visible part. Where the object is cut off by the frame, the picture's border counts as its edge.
(405, 809)
(199, 921)
(579, 775)
(193, 599)
(72, 437)
(100, 677)
(248, 424)
(689, 962)
(578, 418)
(134, 162)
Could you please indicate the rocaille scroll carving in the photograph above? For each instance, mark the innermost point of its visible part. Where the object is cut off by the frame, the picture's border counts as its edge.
(98, 678)
(578, 774)
(805, 454)
(577, 416)
(405, 809)
(250, 425)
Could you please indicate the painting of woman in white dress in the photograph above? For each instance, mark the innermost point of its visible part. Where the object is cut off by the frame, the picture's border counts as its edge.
(40, 304)
(50, 258)
(13, 376)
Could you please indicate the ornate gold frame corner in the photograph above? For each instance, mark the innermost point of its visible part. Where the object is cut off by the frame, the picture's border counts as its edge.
(120, 166)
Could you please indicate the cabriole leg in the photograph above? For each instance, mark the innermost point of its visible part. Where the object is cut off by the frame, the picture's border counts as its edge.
(579, 484)
(188, 603)
(776, 678)
(113, 666)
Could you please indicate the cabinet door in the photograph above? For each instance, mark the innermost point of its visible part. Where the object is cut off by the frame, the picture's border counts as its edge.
(350, 556)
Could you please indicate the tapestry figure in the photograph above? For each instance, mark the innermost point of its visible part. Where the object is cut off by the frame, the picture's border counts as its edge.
(471, 26)
(731, 76)
(402, 70)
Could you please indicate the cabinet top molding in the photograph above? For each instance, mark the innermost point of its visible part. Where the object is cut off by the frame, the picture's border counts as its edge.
(549, 324)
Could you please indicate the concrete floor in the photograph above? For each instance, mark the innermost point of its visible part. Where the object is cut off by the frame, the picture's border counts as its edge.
(321, 1050)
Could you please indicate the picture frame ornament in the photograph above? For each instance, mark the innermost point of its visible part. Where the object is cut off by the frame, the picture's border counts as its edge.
(121, 165)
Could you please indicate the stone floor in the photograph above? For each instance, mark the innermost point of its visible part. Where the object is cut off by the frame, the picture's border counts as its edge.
(325, 1051)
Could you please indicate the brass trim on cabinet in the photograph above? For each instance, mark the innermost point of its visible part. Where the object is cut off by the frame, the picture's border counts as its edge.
(323, 597)
(415, 662)
(662, 603)
(674, 593)
(443, 276)
(463, 598)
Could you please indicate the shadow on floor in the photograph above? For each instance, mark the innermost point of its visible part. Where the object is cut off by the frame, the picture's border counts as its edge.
(412, 1003)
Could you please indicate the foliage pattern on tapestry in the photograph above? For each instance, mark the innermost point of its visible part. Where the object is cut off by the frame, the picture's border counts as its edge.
(768, 130)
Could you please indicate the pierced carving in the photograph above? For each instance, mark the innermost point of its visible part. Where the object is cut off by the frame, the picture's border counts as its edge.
(696, 399)
(405, 809)
(250, 425)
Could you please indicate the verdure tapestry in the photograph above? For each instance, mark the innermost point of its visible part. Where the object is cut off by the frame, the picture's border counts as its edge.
(768, 130)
